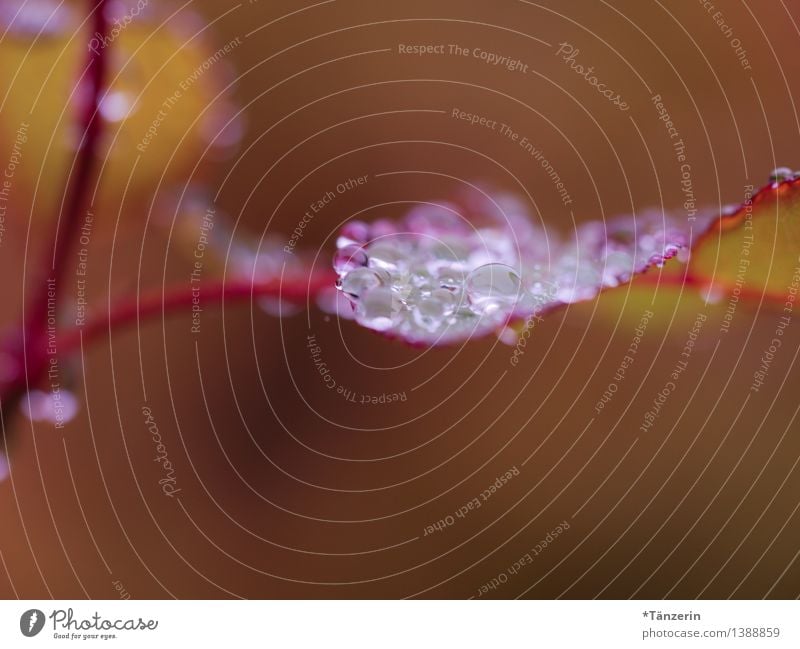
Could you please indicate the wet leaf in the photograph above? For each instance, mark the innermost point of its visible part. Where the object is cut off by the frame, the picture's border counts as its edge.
(435, 278)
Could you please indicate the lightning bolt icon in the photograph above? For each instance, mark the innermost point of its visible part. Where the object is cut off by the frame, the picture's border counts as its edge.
(34, 617)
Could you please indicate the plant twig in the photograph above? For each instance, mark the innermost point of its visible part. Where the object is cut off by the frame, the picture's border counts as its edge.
(128, 312)
(27, 355)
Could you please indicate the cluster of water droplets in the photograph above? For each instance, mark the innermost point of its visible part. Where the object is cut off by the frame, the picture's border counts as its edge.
(434, 278)
(781, 175)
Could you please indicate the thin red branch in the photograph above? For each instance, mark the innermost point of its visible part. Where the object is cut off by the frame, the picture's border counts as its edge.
(131, 311)
(29, 352)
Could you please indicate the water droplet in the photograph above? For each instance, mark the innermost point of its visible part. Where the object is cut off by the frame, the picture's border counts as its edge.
(33, 17)
(383, 228)
(508, 336)
(492, 287)
(277, 307)
(353, 232)
(618, 267)
(434, 219)
(330, 300)
(387, 255)
(56, 407)
(577, 282)
(530, 302)
(713, 294)
(379, 308)
(116, 106)
(670, 250)
(420, 278)
(450, 279)
(359, 281)
(446, 255)
(730, 209)
(781, 175)
(349, 258)
(430, 313)
(647, 242)
(449, 300)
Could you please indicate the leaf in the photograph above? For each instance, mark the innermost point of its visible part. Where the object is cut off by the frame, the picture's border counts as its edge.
(160, 107)
(753, 252)
(435, 277)
(660, 295)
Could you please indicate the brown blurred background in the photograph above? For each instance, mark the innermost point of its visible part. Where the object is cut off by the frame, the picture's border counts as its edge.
(290, 490)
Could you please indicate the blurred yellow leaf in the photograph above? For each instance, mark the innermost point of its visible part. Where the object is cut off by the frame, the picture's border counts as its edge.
(160, 109)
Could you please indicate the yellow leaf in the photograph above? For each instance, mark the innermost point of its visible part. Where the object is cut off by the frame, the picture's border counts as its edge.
(754, 252)
(160, 108)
